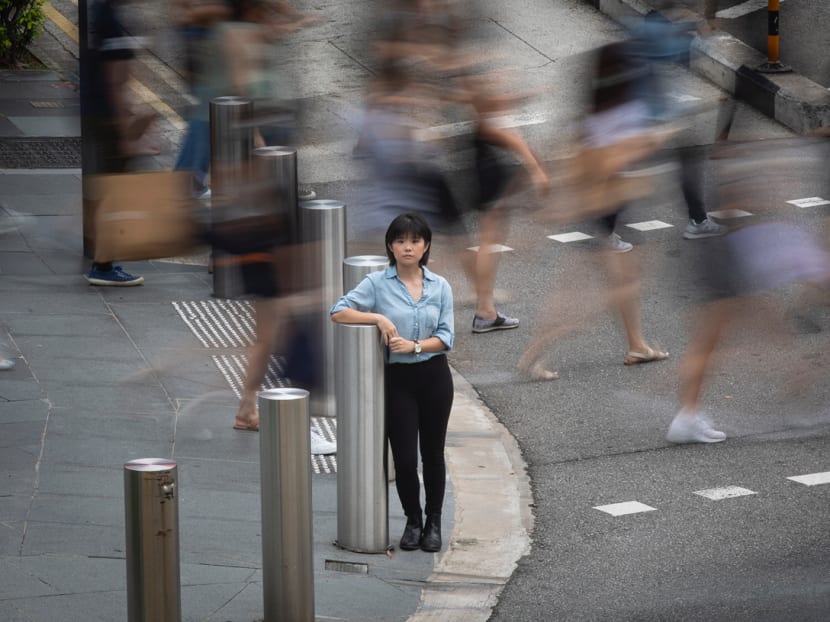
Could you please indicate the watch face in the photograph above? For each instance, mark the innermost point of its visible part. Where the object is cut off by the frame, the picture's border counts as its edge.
(417, 348)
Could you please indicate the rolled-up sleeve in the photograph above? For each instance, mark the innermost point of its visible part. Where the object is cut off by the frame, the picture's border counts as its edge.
(446, 323)
(361, 298)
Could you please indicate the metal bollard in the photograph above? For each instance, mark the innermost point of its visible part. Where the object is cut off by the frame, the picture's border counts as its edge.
(354, 269)
(152, 541)
(285, 475)
(773, 63)
(275, 168)
(231, 145)
(362, 489)
(323, 233)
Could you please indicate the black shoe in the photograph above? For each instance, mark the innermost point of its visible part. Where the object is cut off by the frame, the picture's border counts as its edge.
(431, 540)
(411, 538)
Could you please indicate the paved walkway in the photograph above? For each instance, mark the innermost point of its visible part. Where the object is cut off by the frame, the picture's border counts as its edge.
(104, 376)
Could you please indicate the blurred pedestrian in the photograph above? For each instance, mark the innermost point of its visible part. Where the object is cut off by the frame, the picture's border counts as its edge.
(616, 139)
(656, 43)
(198, 23)
(739, 269)
(115, 131)
(494, 148)
(413, 310)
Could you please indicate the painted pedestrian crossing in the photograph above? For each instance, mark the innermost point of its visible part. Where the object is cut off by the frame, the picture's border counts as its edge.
(626, 508)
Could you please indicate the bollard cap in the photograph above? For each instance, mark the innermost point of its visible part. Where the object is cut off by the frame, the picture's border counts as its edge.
(230, 100)
(367, 260)
(274, 152)
(322, 204)
(150, 464)
(287, 393)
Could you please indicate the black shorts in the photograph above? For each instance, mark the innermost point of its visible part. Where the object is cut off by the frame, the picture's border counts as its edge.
(259, 277)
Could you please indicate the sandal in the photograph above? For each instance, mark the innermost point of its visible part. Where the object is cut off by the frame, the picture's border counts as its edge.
(247, 425)
(649, 356)
(537, 372)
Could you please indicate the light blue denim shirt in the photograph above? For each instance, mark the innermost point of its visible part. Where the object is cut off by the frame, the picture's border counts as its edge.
(432, 316)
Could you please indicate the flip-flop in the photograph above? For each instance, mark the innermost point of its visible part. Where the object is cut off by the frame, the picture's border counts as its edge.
(649, 356)
(246, 426)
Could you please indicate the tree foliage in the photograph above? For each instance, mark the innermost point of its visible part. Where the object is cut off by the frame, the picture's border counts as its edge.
(20, 23)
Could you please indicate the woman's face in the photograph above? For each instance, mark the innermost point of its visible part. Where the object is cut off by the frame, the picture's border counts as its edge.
(408, 249)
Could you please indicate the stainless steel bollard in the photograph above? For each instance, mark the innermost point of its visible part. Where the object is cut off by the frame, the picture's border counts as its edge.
(362, 488)
(354, 269)
(275, 169)
(323, 233)
(285, 474)
(231, 145)
(152, 541)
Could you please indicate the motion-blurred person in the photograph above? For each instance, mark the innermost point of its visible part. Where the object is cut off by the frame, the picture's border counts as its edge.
(404, 176)
(197, 23)
(109, 117)
(615, 139)
(255, 239)
(656, 43)
(741, 268)
(413, 310)
(251, 50)
(495, 184)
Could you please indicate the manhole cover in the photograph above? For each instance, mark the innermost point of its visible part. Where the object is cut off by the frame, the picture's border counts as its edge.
(40, 152)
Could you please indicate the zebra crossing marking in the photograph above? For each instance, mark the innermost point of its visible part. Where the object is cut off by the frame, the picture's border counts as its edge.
(725, 492)
(626, 507)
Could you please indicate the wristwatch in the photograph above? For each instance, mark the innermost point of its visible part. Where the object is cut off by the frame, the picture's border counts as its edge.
(417, 347)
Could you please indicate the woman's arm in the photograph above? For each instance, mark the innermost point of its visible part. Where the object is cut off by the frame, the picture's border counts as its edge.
(353, 316)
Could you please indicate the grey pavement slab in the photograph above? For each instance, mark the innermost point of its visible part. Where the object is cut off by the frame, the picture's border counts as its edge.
(22, 264)
(84, 481)
(48, 126)
(73, 539)
(25, 184)
(84, 423)
(63, 204)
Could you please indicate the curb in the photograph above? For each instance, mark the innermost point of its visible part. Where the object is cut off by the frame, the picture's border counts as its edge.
(493, 517)
(791, 99)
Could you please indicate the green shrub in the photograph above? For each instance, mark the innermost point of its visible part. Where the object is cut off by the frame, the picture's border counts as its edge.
(20, 22)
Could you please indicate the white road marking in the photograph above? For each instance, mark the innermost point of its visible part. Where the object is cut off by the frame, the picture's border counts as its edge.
(730, 213)
(809, 202)
(467, 127)
(621, 509)
(576, 236)
(649, 225)
(683, 98)
(727, 492)
(745, 8)
(813, 479)
(494, 248)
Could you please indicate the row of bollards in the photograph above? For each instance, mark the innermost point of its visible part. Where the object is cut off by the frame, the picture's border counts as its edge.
(352, 373)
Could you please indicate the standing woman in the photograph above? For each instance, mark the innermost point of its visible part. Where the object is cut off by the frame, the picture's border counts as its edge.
(412, 308)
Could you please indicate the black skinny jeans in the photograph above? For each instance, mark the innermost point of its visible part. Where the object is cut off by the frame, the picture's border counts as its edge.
(418, 403)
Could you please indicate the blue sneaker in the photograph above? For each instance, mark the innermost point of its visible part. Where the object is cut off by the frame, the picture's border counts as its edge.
(116, 277)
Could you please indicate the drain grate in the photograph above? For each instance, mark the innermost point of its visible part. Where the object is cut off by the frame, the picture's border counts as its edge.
(56, 152)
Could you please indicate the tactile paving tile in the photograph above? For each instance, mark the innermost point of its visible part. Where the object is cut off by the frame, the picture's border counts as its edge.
(230, 324)
(63, 152)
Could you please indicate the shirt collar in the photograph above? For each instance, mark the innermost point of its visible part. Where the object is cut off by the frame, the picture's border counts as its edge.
(392, 272)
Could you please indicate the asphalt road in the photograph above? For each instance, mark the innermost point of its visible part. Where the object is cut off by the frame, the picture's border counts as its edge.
(596, 436)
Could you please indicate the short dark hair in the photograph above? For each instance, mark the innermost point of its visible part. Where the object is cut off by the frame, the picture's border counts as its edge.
(408, 224)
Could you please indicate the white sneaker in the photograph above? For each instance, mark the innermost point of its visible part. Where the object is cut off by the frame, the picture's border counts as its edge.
(320, 445)
(6, 363)
(695, 428)
(616, 244)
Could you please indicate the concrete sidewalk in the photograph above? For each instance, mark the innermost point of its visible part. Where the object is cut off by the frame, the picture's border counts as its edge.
(106, 375)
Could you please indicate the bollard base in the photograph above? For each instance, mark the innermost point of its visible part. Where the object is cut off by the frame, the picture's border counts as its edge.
(369, 551)
(776, 67)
